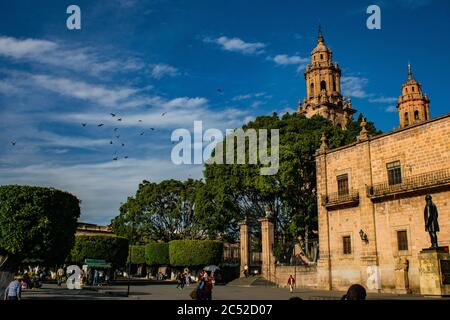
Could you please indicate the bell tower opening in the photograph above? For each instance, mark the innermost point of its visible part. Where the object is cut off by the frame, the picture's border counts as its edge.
(323, 85)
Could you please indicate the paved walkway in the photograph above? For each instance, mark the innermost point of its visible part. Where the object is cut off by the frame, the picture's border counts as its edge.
(169, 292)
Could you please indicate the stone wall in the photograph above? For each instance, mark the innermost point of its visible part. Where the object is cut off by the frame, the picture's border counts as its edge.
(305, 277)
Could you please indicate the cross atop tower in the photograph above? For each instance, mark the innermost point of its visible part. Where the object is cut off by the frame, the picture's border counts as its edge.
(320, 34)
(410, 75)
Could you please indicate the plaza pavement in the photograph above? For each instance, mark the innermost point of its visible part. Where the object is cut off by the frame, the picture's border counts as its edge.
(169, 292)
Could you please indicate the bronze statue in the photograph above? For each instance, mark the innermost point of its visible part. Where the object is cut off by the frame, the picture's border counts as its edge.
(431, 220)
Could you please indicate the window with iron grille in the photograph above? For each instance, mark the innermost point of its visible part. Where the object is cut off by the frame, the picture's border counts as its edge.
(394, 172)
(347, 244)
(342, 181)
(402, 240)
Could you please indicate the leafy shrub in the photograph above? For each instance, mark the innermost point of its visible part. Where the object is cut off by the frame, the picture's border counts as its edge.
(195, 252)
(157, 254)
(137, 254)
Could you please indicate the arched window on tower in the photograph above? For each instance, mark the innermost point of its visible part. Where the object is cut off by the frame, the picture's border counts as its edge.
(321, 56)
(323, 85)
(406, 119)
(311, 90)
(412, 89)
(334, 84)
(416, 115)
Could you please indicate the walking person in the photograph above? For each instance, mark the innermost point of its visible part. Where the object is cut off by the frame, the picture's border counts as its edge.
(187, 279)
(201, 289)
(207, 291)
(246, 271)
(291, 283)
(14, 289)
(95, 283)
(59, 276)
(180, 281)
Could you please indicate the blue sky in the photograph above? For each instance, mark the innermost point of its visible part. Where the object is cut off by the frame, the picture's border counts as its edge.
(139, 59)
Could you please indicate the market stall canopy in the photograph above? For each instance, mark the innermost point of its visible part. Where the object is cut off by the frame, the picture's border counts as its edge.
(97, 263)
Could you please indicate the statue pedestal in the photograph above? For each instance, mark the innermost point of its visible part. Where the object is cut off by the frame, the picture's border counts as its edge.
(434, 271)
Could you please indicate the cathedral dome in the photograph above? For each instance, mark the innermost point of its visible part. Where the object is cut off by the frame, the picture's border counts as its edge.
(321, 46)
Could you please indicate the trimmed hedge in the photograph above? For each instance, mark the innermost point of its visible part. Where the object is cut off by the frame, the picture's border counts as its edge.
(37, 223)
(107, 247)
(195, 252)
(137, 254)
(157, 254)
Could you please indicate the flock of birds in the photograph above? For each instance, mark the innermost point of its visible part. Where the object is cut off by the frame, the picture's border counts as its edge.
(115, 132)
(117, 135)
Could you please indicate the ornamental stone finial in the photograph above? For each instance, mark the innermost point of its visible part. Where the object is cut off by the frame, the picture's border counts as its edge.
(324, 143)
(363, 134)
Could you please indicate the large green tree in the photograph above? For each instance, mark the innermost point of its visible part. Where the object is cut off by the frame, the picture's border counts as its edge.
(36, 224)
(161, 212)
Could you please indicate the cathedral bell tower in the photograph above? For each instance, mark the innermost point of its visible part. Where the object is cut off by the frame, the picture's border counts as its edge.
(413, 105)
(323, 88)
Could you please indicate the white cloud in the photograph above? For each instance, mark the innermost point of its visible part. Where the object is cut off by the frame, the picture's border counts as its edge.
(15, 48)
(354, 86)
(109, 97)
(184, 102)
(383, 99)
(59, 55)
(248, 96)
(285, 60)
(242, 97)
(238, 45)
(391, 109)
(256, 104)
(161, 70)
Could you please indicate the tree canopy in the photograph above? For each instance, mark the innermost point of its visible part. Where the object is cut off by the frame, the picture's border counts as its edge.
(36, 223)
(161, 212)
(106, 247)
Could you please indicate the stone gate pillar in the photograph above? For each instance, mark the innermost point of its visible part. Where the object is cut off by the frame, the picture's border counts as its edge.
(244, 247)
(268, 239)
